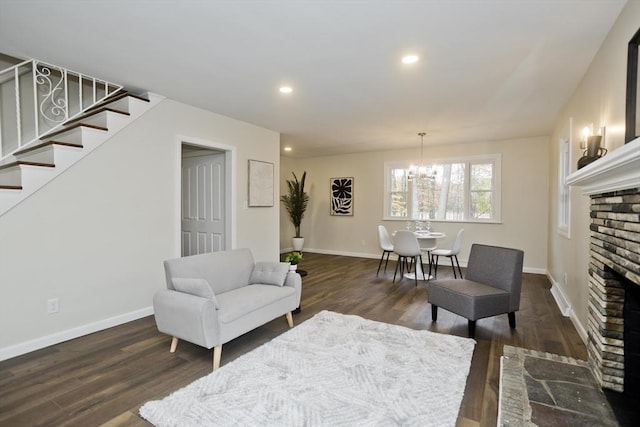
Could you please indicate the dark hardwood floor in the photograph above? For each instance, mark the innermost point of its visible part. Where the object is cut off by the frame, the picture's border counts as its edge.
(103, 378)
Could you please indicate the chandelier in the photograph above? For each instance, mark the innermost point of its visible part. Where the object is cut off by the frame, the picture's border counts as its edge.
(421, 171)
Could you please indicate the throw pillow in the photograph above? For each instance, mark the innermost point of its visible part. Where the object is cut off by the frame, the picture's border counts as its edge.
(197, 287)
(269, 273)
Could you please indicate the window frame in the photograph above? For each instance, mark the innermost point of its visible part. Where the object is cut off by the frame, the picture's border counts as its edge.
(494, 159)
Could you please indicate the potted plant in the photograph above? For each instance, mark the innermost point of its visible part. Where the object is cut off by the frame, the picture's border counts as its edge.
(295, 202)
(293, 258)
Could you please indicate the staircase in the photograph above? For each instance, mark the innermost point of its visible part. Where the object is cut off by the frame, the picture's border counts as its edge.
(38, 162)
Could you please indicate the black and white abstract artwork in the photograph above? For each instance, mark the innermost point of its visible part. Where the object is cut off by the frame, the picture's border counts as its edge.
(341, 196)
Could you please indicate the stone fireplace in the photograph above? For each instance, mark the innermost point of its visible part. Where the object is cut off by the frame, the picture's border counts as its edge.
(613, 183)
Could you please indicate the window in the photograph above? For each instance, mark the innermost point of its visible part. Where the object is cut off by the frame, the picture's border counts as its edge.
(452, 190)
(564, 195)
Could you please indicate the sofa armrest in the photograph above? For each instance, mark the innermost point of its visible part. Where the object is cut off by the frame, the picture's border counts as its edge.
(294, 280)
(188, 317)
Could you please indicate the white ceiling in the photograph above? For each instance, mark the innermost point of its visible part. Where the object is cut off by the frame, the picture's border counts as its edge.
(489, 69)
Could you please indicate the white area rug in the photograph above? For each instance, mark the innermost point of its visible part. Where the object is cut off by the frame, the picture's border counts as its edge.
(332, 370)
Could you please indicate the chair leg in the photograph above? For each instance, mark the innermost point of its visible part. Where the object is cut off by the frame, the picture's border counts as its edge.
(387, 261)
(472, 328)
(435, 267)
(434, 312)
(217, 354)
(459, 269)
(421, 267)
(398, 265)
(380, 263)
(415, 269)
(512, 320)
(454, 268)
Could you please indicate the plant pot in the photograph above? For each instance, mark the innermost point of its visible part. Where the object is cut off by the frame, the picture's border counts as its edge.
(293, 267)
(298, 243)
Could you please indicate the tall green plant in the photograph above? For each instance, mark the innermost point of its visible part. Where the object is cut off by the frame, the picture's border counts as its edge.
(296, 200)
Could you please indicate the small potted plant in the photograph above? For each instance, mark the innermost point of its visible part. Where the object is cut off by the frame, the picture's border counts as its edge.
(293, 258)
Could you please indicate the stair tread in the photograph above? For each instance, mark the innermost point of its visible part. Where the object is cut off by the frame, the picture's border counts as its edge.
(46, 143)
(24, 163)
(77, 125)
(114, 98)
(90, 113)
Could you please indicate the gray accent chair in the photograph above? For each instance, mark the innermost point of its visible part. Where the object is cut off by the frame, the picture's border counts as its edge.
(215, 297)
(491, 287)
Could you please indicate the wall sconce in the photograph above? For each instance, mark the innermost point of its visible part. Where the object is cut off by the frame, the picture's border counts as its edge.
(587, 132)
(593, 145)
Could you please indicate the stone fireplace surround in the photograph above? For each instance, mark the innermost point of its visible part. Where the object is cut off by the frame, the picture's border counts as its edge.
(613, 184)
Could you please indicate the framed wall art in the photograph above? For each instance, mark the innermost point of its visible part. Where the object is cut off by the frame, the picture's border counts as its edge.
(260, 184)
(341, 196)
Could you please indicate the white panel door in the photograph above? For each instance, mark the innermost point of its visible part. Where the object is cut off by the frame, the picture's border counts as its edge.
(203, 204)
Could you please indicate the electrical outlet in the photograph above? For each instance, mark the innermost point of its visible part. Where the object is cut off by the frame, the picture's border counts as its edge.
(53, 306)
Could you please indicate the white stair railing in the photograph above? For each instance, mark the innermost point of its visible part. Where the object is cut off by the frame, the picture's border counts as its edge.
(37, 98)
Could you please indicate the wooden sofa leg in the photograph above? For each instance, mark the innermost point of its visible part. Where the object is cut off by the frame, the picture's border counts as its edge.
(434, 312)
(174, 344)
(289, 319)
(217, 354)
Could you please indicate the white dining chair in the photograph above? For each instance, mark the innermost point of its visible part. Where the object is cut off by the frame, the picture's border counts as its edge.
(406, 246)
(449, 253)
(385, 244)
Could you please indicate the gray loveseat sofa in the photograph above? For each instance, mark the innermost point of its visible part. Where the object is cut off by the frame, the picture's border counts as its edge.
(215, 297)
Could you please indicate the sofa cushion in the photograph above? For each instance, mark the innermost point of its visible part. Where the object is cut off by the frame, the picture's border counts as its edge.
(269, 273)
(244, 301)
(198, 287)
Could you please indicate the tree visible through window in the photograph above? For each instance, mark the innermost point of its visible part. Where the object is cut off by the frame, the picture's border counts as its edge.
(460, 190)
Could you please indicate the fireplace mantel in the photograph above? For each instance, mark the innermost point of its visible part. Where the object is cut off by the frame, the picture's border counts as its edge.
(618, 170)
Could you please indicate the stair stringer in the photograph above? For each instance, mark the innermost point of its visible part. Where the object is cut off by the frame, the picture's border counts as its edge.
(82, 141)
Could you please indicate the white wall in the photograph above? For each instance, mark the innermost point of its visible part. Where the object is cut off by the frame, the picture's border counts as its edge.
(524, 200)
(598, 99)
(96, 236)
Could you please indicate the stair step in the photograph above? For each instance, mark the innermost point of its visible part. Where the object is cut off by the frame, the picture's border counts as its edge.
(48, 152)
(46, 144)
(23, 163)
(87, 125)
(11, 174)
(114, 100)
(87, 117)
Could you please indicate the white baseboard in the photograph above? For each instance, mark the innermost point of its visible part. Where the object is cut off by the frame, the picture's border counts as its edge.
(560, 298)
(566, 309)
(579, 328)
(58, 337)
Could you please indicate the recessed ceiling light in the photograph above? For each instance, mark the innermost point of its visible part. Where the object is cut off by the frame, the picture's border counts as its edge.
(286, 89)
(287, 148)
(410, 59)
